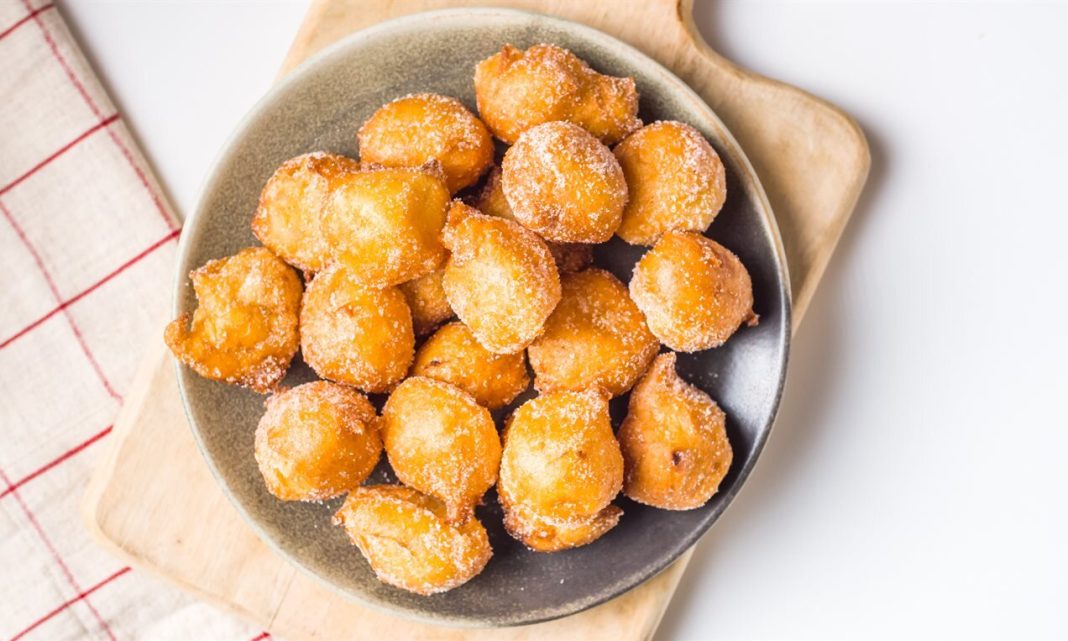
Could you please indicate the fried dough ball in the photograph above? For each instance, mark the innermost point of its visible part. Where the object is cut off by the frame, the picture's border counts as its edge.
(569, 257)
(564, 184)
(287, 219)
(596, 337)
(453, 355)
(677, 182)
(414, 129)
(560, 470)
(317, 441)
(440, 441)
(500, 279)
(694, 292)
(354, 334)
(244, 329)
(674, 441)
(408, 540)
(426, 298)
(384, 224)
(517, 90)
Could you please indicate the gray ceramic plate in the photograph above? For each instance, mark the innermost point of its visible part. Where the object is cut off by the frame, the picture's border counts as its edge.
(320, 106)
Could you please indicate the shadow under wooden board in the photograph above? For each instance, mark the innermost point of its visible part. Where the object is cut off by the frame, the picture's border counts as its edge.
(167, 514)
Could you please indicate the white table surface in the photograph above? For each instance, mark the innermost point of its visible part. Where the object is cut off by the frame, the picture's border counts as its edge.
(915, 484)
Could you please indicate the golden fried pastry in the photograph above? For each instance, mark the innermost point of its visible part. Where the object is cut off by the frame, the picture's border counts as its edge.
(491, 200)
(244, 329)
(596, 337)
(548, 534)
(674, 441)
(408, 540)
(317, 441)
(500, 279)
(517, 90)
(384, 224)
(426, 298)
(560, 470)
(440, 441)
(287, 219)
(569, 257)
(414, 129)
(354, 334)
(453, 355)
(694, 292)
(564, 184)
(677, 182)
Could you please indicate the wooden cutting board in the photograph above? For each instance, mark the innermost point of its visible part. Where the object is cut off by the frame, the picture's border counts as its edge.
(153, 500)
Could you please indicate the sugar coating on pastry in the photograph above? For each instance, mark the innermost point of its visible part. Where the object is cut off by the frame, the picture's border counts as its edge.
(564, 184)
(491, 200)
(291, 203)
(426, 298)
(412, 130)
(569, 257)
(500, 279)
(674, 441)
(440, 441)
(408, 540)
(453, 355)
(560, 470)
(244, 329)
(517, 90)
(316, 441)
(694, 292)
(384, 224)
(354, 334)
(595, 338)
(388, 255)
(544, 534)
(677, 182)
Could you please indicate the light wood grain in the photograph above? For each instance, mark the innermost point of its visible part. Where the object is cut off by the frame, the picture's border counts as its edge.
(153, 500)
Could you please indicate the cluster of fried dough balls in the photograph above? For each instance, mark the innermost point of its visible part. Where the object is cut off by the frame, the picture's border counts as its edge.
(317, 441)
(422, 228)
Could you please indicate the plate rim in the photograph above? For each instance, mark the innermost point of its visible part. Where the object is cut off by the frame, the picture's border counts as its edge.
(752, 185)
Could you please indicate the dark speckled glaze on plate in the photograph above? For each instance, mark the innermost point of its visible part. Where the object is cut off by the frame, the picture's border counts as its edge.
(320, 106)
